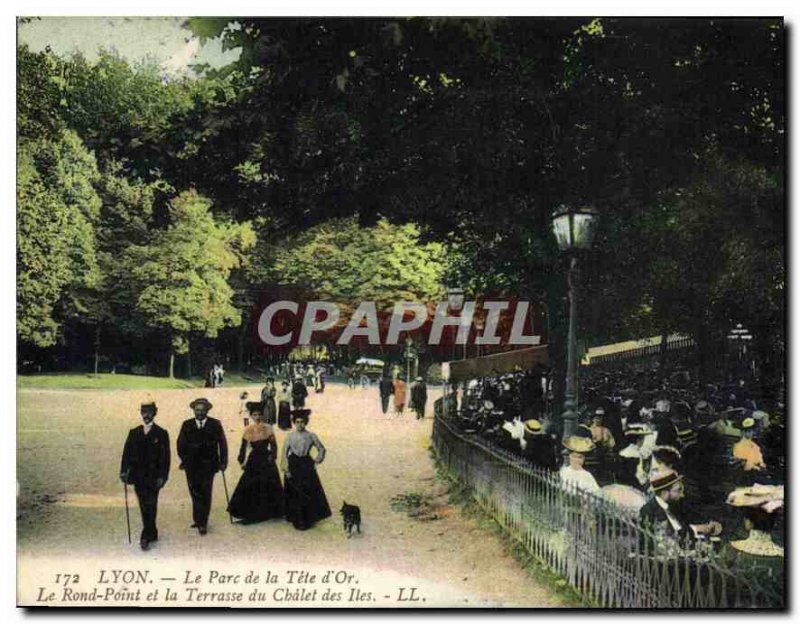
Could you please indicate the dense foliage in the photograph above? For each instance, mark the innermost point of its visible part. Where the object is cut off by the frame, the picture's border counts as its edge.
(379, 158)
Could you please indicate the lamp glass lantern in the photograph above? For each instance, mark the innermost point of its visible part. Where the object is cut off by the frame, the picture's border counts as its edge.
(574, 227)
(455, 298)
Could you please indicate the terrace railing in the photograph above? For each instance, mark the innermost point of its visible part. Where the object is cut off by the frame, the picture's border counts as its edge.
(600, 548)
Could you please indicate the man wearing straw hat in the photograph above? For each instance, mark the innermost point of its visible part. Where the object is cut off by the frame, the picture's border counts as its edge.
(665, 513)
(203, 451)
(539, 449)
(145, 465)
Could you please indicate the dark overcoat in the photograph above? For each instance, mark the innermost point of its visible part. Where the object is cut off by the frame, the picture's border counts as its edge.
(146, 458)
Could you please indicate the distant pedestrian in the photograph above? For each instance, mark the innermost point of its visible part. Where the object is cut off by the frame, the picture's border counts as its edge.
(316, 381)
(299, 393)
(268, 393)
(399, 395)
(419, 397)
(284, 406)
(386, 389)
(218, 375)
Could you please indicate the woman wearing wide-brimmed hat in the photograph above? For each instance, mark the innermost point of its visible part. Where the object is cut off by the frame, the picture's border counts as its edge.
(746, 450)
(574, 473)
(306, 502)
(760, 504)
(259, 494)
(635, 457)
(757, 555)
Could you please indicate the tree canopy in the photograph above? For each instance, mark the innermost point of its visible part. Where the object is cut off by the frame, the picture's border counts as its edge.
(380, 158)
(341, 261)
(181, 274)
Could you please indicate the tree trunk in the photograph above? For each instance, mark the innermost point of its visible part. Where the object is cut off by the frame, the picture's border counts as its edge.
(171, 363)
(188, 358)
(240, 348)
(97, 348)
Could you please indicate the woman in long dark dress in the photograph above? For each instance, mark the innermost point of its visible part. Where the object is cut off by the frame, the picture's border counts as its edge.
(268, 393)
(284, 406)
(258, 495)
(305, 499)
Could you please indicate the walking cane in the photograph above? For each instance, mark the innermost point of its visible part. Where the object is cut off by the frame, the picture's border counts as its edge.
(127, 512)
(227, 498)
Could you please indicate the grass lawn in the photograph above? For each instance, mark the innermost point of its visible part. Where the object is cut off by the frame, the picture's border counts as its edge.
(106, 381)
(103, 381)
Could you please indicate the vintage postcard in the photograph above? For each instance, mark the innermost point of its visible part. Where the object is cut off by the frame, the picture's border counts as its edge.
(401, 312)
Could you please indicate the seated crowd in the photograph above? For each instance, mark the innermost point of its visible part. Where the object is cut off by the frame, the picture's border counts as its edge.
(689, 461)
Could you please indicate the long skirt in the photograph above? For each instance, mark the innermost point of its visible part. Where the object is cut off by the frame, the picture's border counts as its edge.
(269, 410)
(305, 499)
(284, 415)
(258, 495)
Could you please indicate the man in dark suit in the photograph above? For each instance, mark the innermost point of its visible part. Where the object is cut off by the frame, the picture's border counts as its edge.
(203, 451)
(386, 389)
(540, 448)
(299, 393)
(419, 397)
(666, 518)
(145, 465)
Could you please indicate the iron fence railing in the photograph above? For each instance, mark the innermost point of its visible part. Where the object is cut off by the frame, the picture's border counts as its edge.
(600, 548)
(683, 344)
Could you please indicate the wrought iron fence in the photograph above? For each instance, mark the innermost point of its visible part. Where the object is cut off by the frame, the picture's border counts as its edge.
(600, 548)
(680, 345)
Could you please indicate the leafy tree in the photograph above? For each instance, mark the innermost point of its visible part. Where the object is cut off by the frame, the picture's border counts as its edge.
(39, 99)
(712, 271)
(341, 261)
(125, 219)
(346, 263)
(43, 255)
(123, 111)
(181, 274)
(56, 255)
(474, 129)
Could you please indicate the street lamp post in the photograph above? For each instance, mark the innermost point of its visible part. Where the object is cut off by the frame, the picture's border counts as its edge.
(455, 301)
(573, 228)
(409, 342)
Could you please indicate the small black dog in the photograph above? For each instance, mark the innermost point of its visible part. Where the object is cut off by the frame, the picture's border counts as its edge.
(351, 515)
